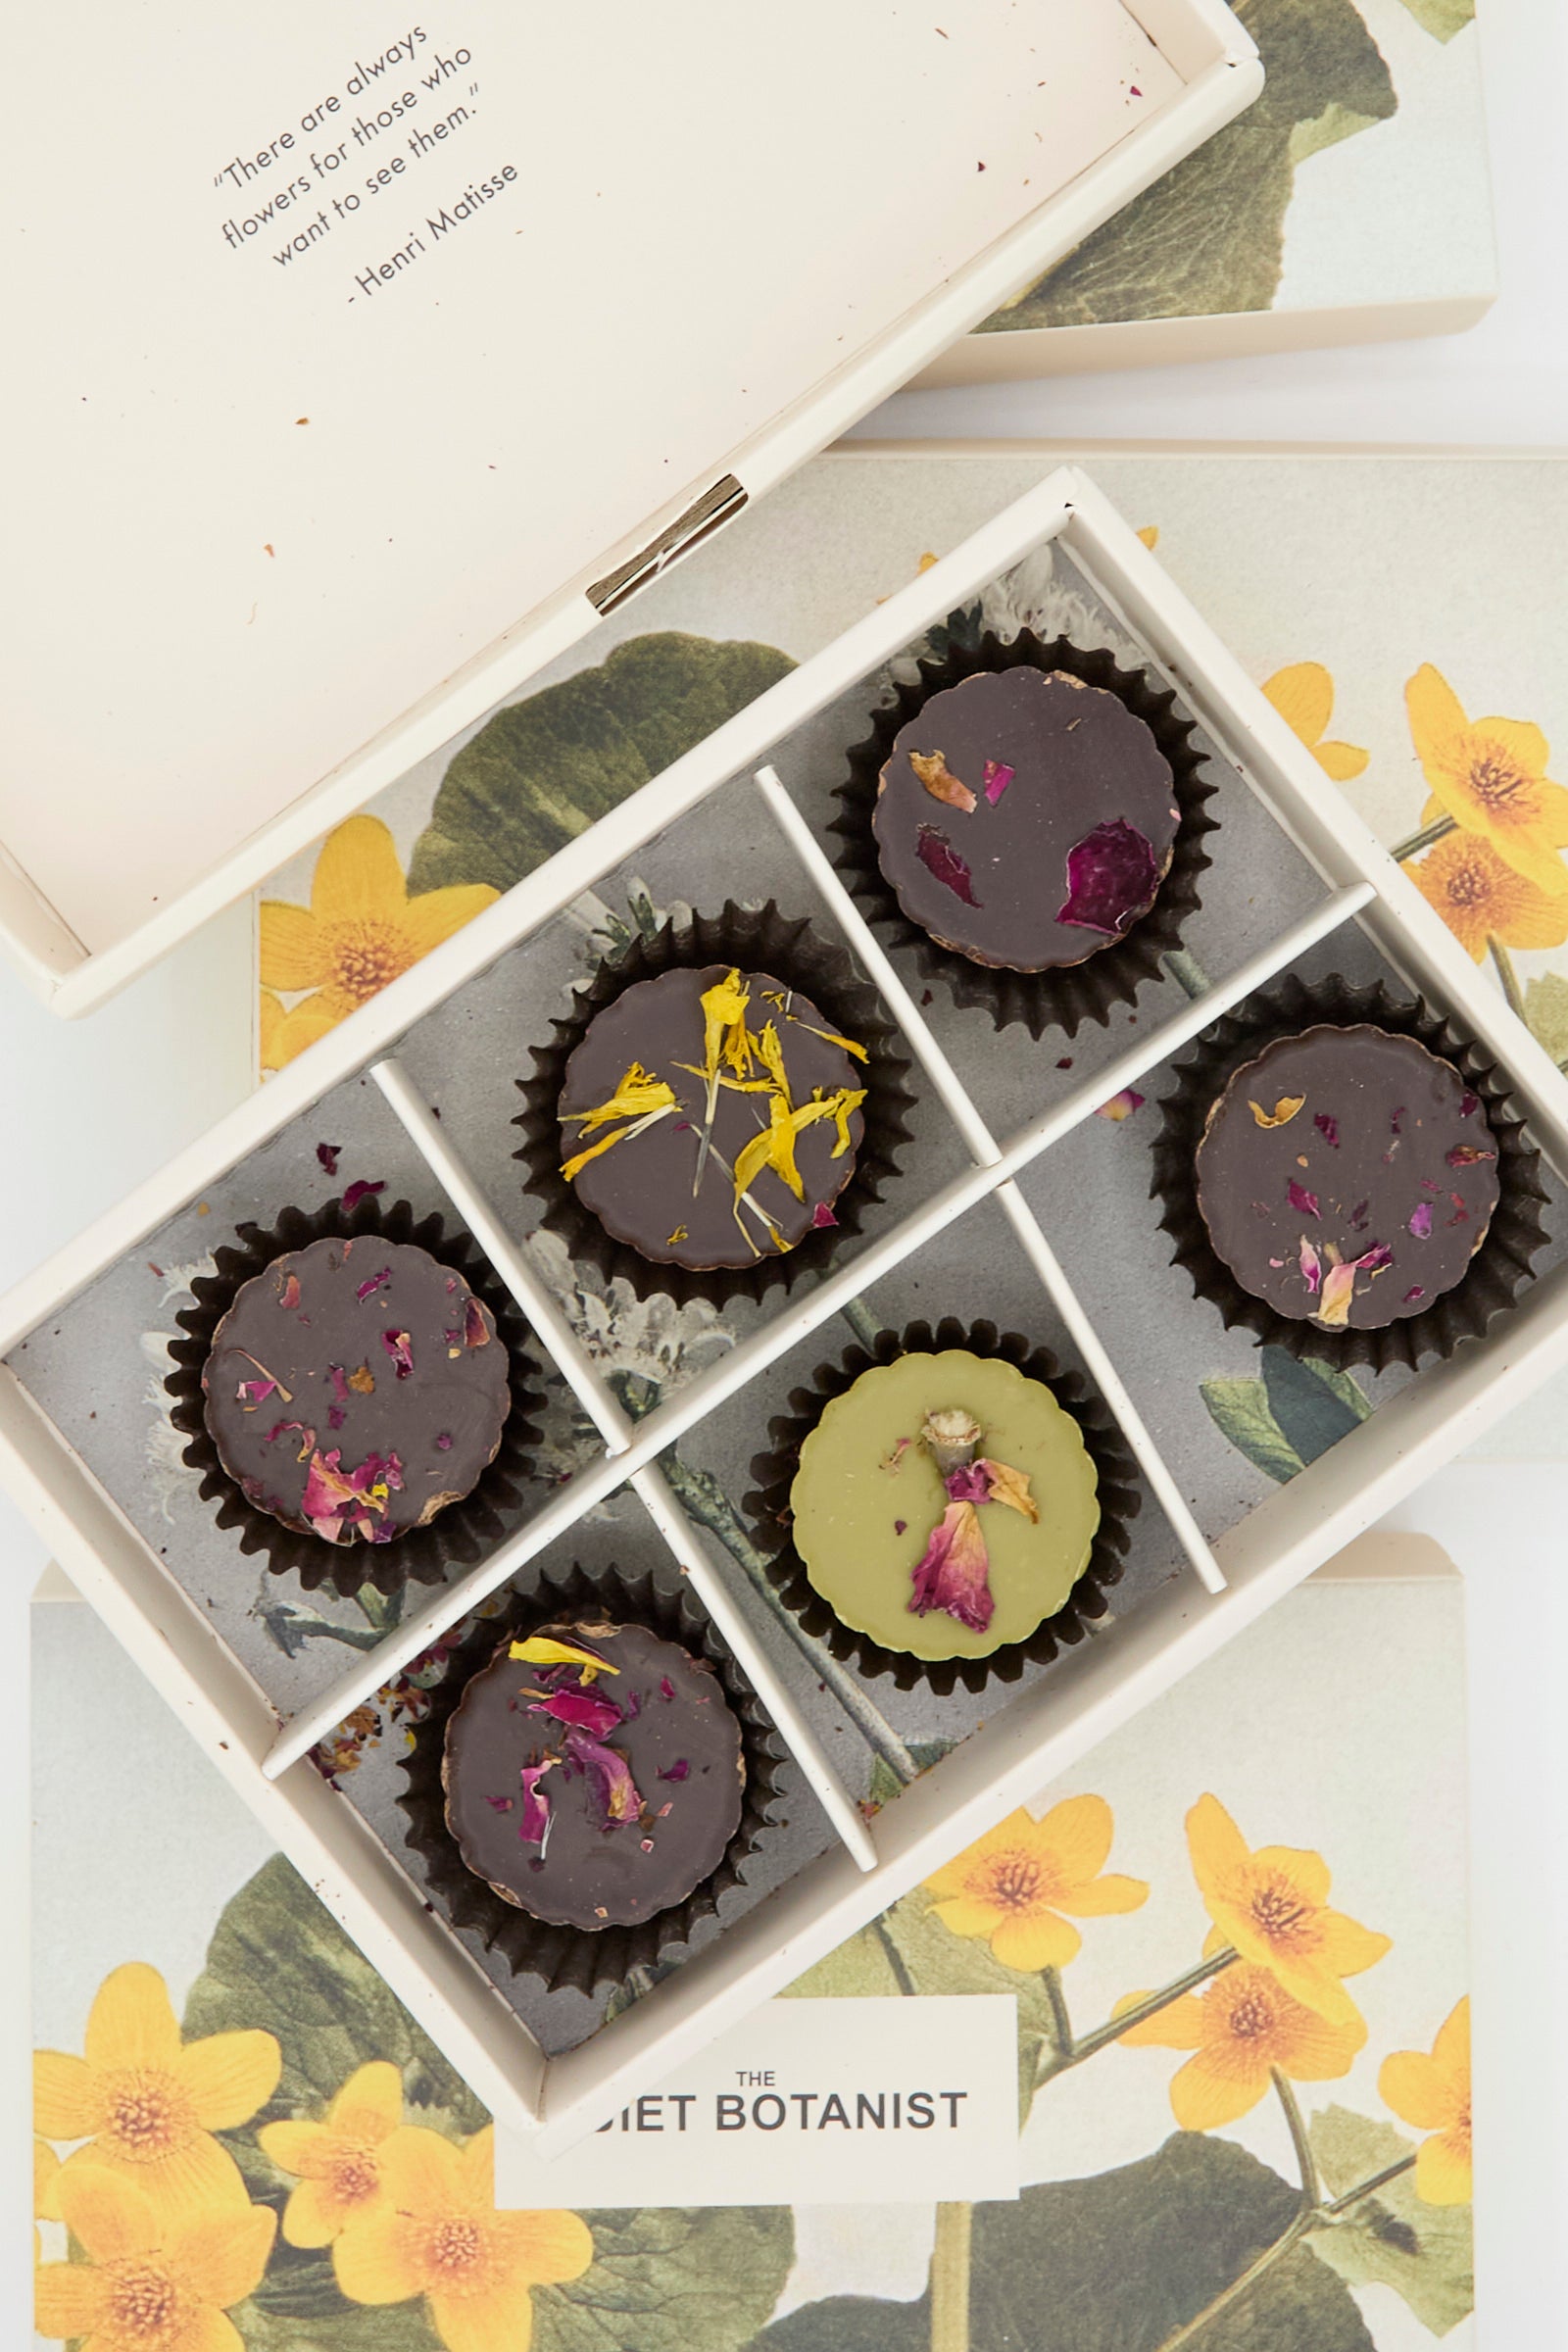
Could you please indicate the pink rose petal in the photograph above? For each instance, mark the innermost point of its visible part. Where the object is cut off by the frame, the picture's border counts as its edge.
(1112, 875)
(937, 856)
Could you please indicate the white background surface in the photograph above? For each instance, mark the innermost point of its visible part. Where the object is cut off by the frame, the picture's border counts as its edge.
(91, 1110)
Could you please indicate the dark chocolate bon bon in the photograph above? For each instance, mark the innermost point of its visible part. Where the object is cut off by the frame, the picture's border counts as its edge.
(593, 1774)
(711, 1117)
(1347, 1177)
(1025, 819)
(356, 1388)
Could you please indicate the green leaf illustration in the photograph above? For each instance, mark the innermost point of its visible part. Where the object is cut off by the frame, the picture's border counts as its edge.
(1116, 2263)
(1443, 18)
(1391, 2238)
(1314, 1403)
(675, 2280)
(909, 1950)
(302, 2310)
(1240, 1412)
(1547, 1012)
(1298, 1411)
(279, 1960)
(544, 769)
(1210, 236)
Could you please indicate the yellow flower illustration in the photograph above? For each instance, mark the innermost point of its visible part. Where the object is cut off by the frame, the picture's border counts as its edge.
(436, 2234)
(147, 2104)
(1481, 898)
(1013, 1885)
(1490, 776)
(45, 2190)
(1241, 2027)
(151, 2283)
(337, 2161)
(361, 930)
(1303, 697)
(1273, 1905)
(1432, 2092)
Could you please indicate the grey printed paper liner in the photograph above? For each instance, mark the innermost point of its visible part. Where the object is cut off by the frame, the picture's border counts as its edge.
(465, 1531)
(767, 1509)
(574, 1958)
(755, 939)
(1110, 975)
(1500, 1267)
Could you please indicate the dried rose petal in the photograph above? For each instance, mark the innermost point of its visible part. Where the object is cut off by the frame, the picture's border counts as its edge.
(475, 1328)
(591, 1712)
(1338, 1287)
(1112, 875)
(340, 1385)
(1469, 1104)
(1359, 1217)
(822, 1215)
(937, 856)
(1465, 1155)
(335, 1416)
(361, 1191)
(288, 1297)
(614, 1785)
(666, 1687)
(970, 1482)
(997, 777)
(327, 1153)
(1311, 1266)
(1416, 1291)
(501, 1804)
(443, 1442)
(1301, 1199)
(941, 782)
(400, 1347)
(534, 1827)
(1328, 1127)
(679, 1771)
(341, 1502)
(953, 1571)
(1421, 1221)
(252, 1392)
(1121, 1106)
(375, 1284)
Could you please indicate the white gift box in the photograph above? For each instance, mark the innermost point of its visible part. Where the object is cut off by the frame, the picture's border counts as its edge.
(366, 369)
(1355, 901)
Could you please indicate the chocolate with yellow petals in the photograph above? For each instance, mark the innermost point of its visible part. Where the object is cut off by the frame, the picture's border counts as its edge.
(1348, 1176)
(869, 1491)
(594, 1799)
(356, 1388)
(645, 1188)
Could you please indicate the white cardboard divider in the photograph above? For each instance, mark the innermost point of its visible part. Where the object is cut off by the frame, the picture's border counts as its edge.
(1089, 1689)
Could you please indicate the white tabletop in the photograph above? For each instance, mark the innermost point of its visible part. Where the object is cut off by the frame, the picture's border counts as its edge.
(93, 1108)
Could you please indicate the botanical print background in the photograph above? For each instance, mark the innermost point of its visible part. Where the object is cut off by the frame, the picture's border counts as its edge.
(1402, 613)
(1370, 114)
(261, 2150)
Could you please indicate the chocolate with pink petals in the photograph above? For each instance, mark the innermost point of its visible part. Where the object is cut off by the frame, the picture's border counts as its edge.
(597, 1788)
(1025, 819)
(1348, 1176)
(355, 1389)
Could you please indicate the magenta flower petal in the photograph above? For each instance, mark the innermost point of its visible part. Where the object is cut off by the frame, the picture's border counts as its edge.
(1328, 1127)
(1301, 1199)
(822, 1215)
(1311, 1266)
(1112, 875)
(587, 1710)
(475, 1329)
(610, 1774)
(534, 1827)
(375, 1284)
(362, 1192)
(400, 1347)
(937, 856)
(1421, 1221)
(327, 1153)
(953, 1572)
(677, 1771)
(997, 777)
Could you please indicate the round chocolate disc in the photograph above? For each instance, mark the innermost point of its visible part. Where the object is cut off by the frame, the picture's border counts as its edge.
(594, 1795)
(356, 1388)
(654, 1185)
(1025, 819)
(1347, 1177)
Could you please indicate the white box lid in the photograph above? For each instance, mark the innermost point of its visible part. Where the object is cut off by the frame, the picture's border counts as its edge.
(278, 514)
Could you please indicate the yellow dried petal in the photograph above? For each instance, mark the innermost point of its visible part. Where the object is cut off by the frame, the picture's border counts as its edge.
(831, 1036)
(1010, 1487)
(1282, 1112)
(543, 1649)
(771, 1054)
(940, 781)
(637, 1095)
